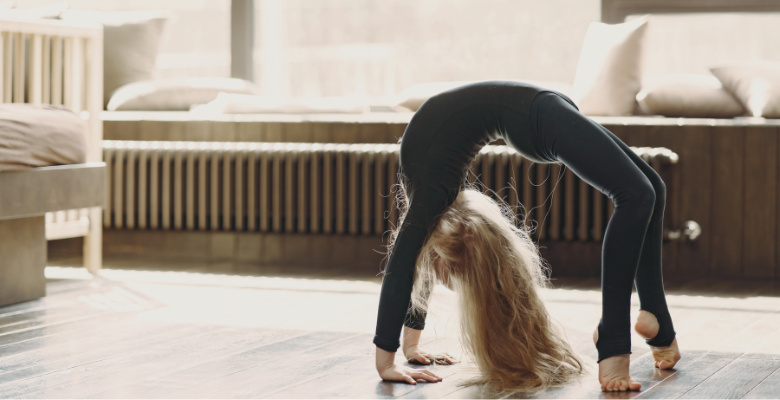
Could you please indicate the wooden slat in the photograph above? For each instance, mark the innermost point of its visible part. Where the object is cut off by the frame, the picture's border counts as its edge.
(6, 66)
(57, 70)
(20, 69)
(46, 70)
(36, 73)
(68, 72)
(760, 203)
(728, 149)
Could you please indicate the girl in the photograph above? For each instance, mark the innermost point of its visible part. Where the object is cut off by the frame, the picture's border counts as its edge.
(463, 238)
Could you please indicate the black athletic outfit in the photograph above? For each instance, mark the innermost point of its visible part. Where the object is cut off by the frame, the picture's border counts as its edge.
(443, 138)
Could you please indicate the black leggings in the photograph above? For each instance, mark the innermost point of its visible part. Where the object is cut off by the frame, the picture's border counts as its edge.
(632, 242)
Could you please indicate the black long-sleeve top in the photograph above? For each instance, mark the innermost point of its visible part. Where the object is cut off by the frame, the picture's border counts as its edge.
(440, 142)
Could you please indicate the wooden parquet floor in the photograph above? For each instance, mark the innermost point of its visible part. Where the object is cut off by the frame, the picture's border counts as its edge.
(145, 334)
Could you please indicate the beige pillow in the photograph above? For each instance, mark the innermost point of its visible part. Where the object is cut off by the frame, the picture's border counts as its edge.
(175, 94)
(37, 136)
(131, 42)
(687, 95)
(414, 96)
(755, 84)
(609, 71)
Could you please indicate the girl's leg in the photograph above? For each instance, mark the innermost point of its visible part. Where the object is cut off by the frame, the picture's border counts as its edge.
(649, 275)
(582, 145)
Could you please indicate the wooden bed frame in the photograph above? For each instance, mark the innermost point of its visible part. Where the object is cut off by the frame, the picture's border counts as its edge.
(59, 63)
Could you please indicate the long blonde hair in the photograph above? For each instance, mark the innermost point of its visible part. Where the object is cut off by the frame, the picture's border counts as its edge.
(496, 270)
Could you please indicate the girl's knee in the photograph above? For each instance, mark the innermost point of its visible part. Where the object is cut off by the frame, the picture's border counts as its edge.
(639, 197)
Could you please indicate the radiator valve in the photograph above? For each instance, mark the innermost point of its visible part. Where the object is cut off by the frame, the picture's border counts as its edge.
(690, 231)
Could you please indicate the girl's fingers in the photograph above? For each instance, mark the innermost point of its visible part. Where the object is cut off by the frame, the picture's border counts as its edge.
(427, 375)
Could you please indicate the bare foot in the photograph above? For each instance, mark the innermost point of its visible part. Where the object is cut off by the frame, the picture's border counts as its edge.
(647, 327)
(613, 372)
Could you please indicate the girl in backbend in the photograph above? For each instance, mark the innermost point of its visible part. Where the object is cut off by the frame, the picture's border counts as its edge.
(465, 240)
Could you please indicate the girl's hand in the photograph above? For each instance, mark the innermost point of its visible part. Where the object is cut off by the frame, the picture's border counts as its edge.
(399, 373)
(389, 371)
(414, 355)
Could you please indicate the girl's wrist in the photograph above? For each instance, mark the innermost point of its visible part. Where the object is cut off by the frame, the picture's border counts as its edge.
(384, 359)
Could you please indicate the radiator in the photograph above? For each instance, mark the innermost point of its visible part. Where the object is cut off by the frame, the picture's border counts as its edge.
(325, 188)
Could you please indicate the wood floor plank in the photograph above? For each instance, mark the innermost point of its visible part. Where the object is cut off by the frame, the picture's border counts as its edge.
(280, 364)
(215, 361)
(734, 380)
(69, 370)
(693, 369)
(63, 354)
(769, 388)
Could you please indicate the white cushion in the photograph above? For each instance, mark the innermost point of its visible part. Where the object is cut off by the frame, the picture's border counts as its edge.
(175, 94)
(230, 103)
(609, 71)
(131, 42)
(37, 136)
(755, 84)
(414, 96)
(687, 95)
